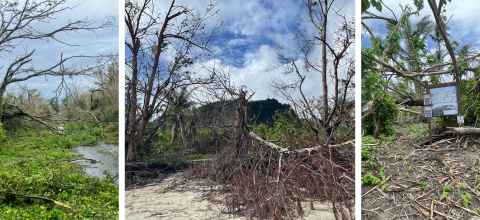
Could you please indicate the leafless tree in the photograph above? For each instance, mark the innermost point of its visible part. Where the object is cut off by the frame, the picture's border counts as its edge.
(336, 106)
(162, 45)
(24, 21)
(327, 116)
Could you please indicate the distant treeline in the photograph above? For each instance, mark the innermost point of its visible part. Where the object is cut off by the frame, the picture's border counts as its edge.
(258, 112)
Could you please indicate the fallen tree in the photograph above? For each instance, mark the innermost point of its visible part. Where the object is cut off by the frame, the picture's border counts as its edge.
(299, 151)
(464, 130)
(410, 102)
(18, 112)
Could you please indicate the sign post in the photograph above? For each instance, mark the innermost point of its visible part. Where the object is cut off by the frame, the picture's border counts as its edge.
(442, 100)
(427, 105)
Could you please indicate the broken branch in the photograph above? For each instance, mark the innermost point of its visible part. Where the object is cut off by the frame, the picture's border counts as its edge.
(37, 197)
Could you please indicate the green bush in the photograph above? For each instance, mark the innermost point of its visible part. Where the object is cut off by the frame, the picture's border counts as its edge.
(384, 110)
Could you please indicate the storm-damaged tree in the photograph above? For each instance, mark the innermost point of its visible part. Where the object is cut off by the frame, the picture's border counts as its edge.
(335, 107)
(24, 21)
(163, 43)
(384, 64)
(329, 117)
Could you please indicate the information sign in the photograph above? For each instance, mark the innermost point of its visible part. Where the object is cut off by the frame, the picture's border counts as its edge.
(444, 101)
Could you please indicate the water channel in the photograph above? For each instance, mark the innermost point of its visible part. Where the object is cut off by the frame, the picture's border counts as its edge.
(107, 154)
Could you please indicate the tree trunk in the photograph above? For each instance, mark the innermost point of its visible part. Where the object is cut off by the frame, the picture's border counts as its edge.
(378, 128)
(182, 131)
(239, 120)
(174, 130)
(418, 89)
(133, 103)
(464, 130)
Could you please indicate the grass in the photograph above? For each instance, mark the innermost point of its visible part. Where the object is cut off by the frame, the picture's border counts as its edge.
(23, 155)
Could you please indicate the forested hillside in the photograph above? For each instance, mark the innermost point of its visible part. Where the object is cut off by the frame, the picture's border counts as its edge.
(258, 112)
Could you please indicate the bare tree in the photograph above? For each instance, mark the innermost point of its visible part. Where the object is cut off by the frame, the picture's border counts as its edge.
(329, 117)
(22, 22)
(323, 116)
(162, 47)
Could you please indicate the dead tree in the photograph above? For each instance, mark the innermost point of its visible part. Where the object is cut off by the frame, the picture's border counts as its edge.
(239, 119)
(152, 36)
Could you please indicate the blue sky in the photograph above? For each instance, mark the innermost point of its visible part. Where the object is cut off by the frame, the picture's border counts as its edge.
(464, 26)
(103, 41)
(252, 31)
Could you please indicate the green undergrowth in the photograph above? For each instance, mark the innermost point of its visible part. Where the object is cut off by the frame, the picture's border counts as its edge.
(28, 167)
(186, 158)
(417, 131)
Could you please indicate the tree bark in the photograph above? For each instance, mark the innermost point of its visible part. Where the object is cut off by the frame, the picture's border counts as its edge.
(239, 120)
(299, 151)
(415, 102)
(410, 111)
(183, 132)
(174, 131)
(464, 130)
(378, 128)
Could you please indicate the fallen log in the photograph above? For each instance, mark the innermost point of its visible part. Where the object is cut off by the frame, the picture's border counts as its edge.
(464, 130)
(299, 151)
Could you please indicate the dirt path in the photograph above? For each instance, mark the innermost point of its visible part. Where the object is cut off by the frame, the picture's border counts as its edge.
(421, 176)
(190, 200)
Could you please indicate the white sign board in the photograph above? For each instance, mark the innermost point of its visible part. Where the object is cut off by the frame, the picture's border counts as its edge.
(460, 119)
(444, 101)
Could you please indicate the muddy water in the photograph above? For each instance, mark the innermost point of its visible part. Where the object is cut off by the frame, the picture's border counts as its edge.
(107, 155)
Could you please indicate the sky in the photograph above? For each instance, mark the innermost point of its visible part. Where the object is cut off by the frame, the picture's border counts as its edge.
(253, 29)
(463, 22)
(47, 53)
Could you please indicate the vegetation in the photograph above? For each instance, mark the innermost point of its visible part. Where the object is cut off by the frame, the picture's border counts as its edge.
(27, 157)
(166, 120)
(37, 134)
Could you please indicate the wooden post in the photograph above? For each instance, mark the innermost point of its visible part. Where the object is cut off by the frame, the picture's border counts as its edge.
(459, 101)
(239, 119)
(429, 119)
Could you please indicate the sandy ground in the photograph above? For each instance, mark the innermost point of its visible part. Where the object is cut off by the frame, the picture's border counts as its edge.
(187, 200)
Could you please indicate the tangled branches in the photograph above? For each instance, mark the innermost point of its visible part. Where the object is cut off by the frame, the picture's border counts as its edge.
(270, 185)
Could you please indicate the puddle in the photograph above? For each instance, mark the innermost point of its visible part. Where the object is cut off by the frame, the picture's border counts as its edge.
(107, 154)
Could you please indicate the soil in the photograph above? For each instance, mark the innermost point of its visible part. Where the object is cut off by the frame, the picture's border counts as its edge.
(172, 197)
(432, 168)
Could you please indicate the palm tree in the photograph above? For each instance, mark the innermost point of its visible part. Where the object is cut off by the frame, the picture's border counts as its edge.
(411, 54)
(180, 109)
(437, 36)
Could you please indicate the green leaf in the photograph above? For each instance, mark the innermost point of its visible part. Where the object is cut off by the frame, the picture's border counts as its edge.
(365, 5)
(377, 5)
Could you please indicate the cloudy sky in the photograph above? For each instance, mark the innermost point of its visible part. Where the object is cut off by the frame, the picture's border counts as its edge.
(252, 31)
(463, 24)
(47, 53)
